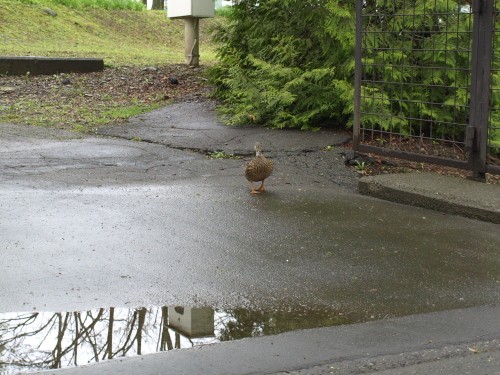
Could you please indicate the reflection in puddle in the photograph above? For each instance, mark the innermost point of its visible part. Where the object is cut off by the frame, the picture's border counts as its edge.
(47, 340)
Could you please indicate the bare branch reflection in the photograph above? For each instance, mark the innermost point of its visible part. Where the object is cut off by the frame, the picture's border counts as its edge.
(50, 340)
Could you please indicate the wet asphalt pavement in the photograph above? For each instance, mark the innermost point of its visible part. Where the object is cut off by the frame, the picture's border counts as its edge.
(90, 222)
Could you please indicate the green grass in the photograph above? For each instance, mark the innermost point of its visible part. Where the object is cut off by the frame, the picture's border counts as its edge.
(120, 37)
(78, 116)
(81, 4)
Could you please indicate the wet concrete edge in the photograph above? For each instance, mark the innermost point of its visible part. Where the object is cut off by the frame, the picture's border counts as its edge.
(389, 189)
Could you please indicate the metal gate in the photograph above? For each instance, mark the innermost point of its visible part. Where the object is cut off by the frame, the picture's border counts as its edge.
(427, 82)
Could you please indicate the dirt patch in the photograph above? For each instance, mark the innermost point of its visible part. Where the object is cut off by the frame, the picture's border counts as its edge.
(81, 101)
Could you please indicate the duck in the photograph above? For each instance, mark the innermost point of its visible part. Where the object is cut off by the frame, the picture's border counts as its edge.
(258, 169)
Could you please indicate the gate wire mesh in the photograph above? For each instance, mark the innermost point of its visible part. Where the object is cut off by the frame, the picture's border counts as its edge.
(415, 80)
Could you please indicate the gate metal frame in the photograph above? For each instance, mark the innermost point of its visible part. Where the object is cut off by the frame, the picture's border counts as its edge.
(475, 140)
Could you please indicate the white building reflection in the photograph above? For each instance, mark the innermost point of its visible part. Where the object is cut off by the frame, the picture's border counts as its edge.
(47, 340)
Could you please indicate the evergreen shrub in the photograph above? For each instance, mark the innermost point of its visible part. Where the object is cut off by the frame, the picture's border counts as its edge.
(285, 63)
(290, 64)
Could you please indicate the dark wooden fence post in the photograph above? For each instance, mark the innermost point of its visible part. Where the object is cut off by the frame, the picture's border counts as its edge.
(357, 74)
(482, 46)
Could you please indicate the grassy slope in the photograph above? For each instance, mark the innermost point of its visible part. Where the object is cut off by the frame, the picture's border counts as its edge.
(127, 40)
(120, 37)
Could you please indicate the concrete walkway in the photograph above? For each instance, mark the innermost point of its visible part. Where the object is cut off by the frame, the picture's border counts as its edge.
(106, 221)
(194, 126)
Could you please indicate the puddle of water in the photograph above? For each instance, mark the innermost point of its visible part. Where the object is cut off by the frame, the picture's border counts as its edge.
(33, 341)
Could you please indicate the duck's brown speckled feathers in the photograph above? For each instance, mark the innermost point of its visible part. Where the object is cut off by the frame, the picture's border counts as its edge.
(258, 169)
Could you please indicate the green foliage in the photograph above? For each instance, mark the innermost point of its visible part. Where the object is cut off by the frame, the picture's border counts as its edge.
(223, 11)
(417, 62)
(360, 166)
(285, 63)
(417, 67)
(289, 63)
(494, 130)
(221, 155)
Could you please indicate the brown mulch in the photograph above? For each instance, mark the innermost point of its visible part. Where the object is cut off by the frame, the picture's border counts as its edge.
(68, 99)
(143, 84)
(386, 165)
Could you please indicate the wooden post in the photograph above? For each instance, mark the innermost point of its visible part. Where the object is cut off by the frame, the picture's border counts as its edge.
(357, 74)
(192, 41)
(482, 50)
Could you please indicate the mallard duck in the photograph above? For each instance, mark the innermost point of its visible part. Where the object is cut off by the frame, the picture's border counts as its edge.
(258, 169)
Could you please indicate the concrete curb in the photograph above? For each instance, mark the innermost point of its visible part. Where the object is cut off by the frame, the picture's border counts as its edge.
(447, 194)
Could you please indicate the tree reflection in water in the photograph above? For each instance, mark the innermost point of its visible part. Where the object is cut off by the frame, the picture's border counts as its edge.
(48, 340)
